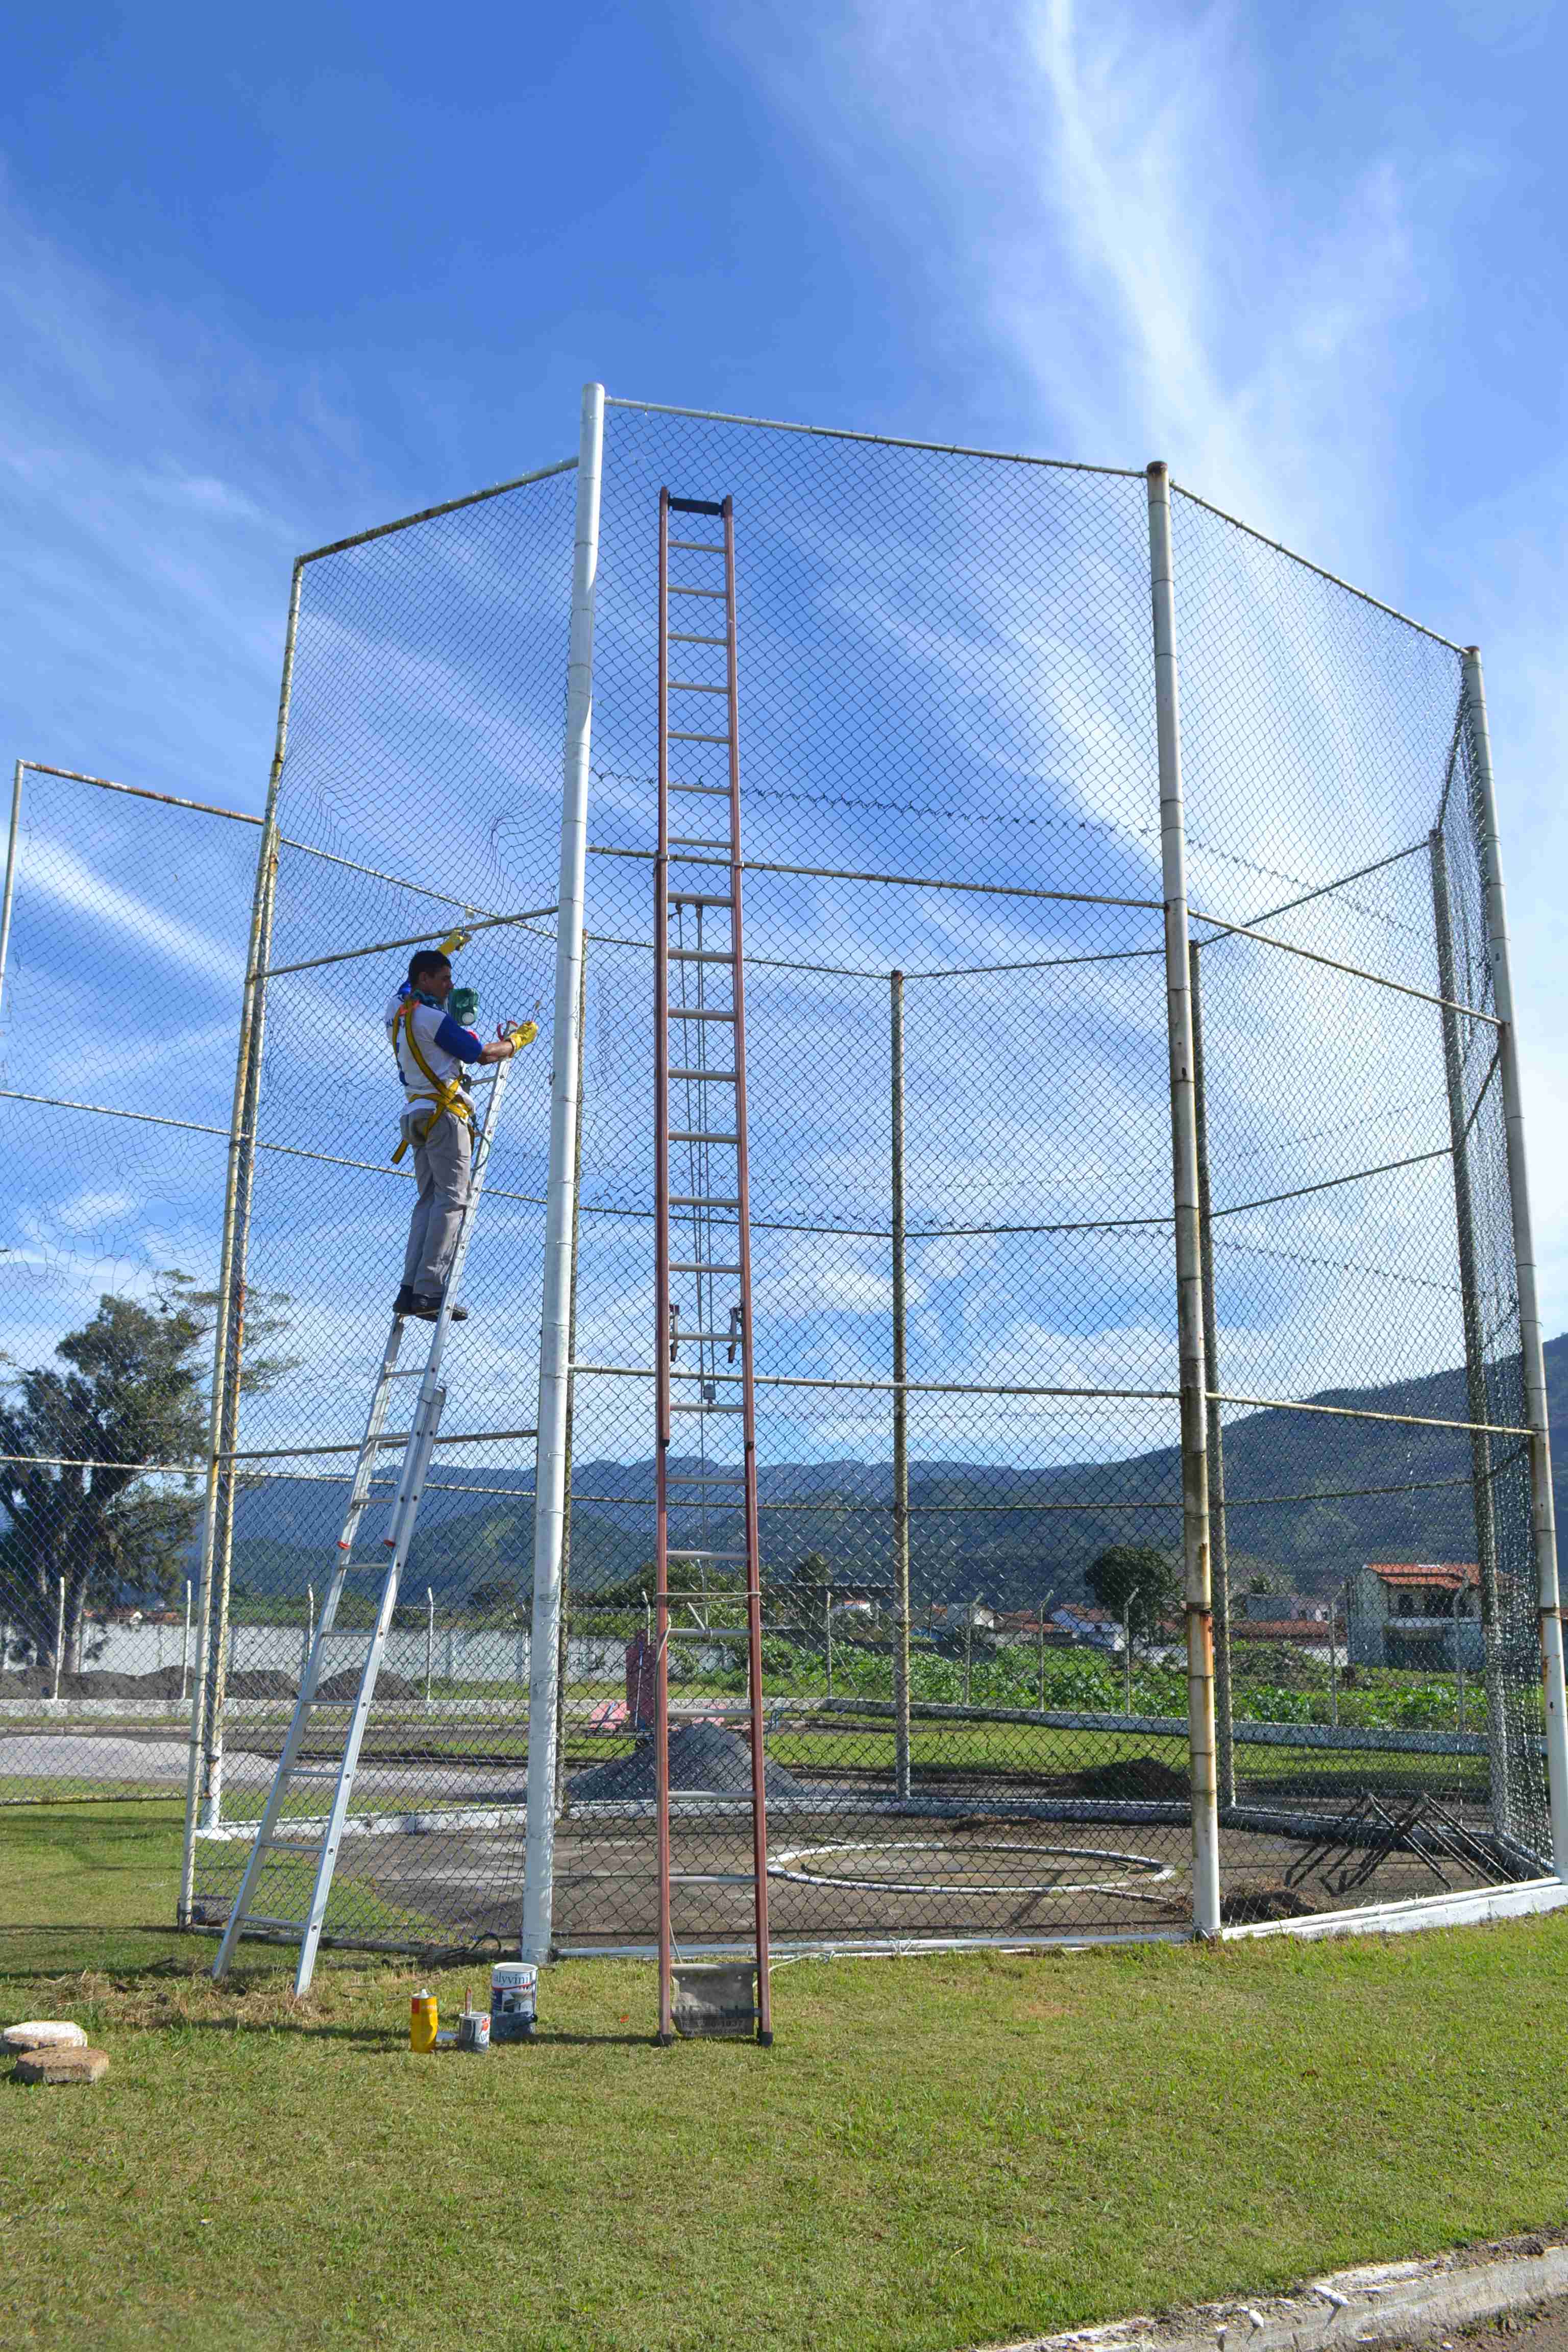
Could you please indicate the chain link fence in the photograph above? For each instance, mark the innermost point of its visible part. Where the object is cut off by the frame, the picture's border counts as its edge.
(960, 1004)
(420, 793)
(121, 957)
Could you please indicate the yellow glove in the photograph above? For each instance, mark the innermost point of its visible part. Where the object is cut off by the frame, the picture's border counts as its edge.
(523, 1034)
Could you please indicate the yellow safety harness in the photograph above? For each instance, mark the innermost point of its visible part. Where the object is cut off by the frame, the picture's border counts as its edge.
(447, 1094)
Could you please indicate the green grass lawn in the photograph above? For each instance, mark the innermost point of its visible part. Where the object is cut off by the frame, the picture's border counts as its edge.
(937, 2152)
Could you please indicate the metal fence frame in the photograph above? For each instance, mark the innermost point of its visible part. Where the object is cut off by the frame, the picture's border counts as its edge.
(1200, 1396)
(1201, 1392)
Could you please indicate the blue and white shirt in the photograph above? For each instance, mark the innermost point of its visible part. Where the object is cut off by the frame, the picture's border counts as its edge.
(445, 1044)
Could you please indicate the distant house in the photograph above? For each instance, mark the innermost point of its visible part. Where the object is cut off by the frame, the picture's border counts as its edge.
(953, 1616)
(1416, 1614)
(1309, 1635)
(1081, 1623)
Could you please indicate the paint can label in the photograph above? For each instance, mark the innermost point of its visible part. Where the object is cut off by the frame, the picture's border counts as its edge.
(474, 2030)
(514, 1999)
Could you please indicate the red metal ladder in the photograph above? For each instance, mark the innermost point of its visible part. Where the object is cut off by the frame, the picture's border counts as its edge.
(708, 1005)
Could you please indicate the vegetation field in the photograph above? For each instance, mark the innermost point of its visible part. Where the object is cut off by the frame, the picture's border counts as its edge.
(991, 2147)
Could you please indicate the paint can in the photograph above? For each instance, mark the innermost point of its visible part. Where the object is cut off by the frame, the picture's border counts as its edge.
(514, 2000)
(474, 2030)
(422, 2021)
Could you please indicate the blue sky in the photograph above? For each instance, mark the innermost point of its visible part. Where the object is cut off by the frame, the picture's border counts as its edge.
(267, 285)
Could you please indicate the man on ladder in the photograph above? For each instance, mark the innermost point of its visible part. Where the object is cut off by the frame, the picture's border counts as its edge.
(291, 1850)
(431, 1047)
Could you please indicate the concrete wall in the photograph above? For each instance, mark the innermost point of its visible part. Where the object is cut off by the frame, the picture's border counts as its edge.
(459, 1653)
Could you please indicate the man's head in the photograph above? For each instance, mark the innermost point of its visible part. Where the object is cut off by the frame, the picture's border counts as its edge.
(430, 972)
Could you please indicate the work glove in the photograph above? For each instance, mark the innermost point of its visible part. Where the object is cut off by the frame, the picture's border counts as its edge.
(517, 1033)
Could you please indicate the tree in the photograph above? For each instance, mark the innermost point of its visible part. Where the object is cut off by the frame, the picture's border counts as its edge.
(130, 1396)
(1138, 1585)
(79, 1505)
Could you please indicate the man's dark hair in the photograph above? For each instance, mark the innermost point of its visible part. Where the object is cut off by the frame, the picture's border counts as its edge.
(423, 960)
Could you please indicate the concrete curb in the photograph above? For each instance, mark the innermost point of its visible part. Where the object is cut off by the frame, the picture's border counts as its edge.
(1380, 2303)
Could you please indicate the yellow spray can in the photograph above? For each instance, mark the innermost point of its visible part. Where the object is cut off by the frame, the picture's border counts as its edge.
(422, 2021)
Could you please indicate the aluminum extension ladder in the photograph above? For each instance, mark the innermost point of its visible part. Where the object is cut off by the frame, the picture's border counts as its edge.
(292, 1846)
(710, 1142)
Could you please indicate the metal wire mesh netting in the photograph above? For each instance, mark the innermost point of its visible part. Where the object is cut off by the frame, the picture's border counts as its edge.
(1359, 1226)
(965, 1332)
(122, 955)
(422, 778)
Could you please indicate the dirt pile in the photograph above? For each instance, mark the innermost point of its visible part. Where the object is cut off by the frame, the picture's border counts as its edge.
(704, 1760)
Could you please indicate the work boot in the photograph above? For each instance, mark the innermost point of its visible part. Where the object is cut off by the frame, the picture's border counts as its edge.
(404, 1303)
(428, 1308)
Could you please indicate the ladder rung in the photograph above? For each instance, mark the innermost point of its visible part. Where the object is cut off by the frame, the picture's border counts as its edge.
(696, 592)
(719, 792)
(692, 685)
(700, 955)
(289, 1927)
(684, 1552)
(681, 638)
(696, 1012)
(719, 1077)
(700, 1200)
(719, 1338)
(695, 1265)
(293, 1845)
(700, 546)
(695, 506)
(699, 841)
(700, 1135)
(699, 898)
(315, 1772)
(714, 1478)
(685, 735)
(707, 1408)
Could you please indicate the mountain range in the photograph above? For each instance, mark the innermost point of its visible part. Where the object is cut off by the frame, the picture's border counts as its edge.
(1331, 1492)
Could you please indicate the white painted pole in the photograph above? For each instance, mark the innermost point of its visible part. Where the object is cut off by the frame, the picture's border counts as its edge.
(1533, 1355)
(59, 1638)
(566, 1078)
(1201, 1735)
(901, 1407)
(185, 1648)
(429, 1643)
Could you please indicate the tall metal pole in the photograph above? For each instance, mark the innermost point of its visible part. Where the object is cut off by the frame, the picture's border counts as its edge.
(665, 1317)
(1189, 1267)
(1220, 1554)
(564, 1643)
(900, 1412)
(202, 1797)
(10, 870)
(1477, 1403)
(567, 1079)
(228, 1436)
(748, 1336)
(1531, 1352)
